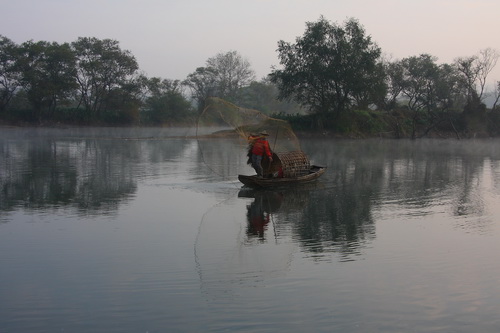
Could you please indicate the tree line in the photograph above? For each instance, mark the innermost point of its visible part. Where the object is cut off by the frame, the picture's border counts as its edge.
(330, 78)
(336, 69)
(94, 81)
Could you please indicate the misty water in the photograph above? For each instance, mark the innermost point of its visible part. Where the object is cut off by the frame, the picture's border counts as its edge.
(140, 230)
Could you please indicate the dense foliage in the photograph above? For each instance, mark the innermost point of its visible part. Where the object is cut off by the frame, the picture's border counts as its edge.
(335, 71)
(332, 79)
(89, 81)
(329, 67)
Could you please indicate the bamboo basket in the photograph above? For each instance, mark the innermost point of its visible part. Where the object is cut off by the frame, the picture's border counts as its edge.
(293, 164)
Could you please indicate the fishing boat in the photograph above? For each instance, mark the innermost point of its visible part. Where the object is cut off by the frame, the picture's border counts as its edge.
(255, 181)
(286, 169)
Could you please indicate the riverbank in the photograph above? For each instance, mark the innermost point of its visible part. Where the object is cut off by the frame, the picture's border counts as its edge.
(301, 133)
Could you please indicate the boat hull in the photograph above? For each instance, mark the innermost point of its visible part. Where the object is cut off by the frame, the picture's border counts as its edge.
(254, 181)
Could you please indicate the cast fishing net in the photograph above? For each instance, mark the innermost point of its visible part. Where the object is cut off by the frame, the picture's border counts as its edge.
(233, 254)
(224, 128)
(245, 241)
(244, 122)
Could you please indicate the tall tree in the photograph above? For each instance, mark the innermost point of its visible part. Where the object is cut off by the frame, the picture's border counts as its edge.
(102, 66)
(374, 88)
(203, 84)
(328, 66)
(232, 72)
(430, 90)
(449, 91)
(223, 76)
(394, 82)
(123, 103)
(166, 101)
(420, 75)
(475, 71)
(47, 74)
(488, 59)
(9, 75)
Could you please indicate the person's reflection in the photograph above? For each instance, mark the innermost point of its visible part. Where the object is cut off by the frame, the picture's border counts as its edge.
(258, 219)
(259, 212)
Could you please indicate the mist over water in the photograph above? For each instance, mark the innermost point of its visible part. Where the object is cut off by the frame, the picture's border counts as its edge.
(137, 230)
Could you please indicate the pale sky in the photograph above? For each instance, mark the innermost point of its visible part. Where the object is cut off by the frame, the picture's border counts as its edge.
(171, 38)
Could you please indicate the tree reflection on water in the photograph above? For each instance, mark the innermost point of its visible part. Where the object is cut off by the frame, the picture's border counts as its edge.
(321, 224)
(94, 176)
(364, 178)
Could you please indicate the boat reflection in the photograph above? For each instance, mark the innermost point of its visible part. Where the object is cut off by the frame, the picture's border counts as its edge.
(260, 209)
(270, 208)
(321, 224)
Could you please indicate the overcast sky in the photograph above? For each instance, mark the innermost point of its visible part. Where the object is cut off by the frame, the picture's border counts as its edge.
(171, 38)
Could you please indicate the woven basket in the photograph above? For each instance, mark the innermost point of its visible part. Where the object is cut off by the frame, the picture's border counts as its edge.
(293, 164)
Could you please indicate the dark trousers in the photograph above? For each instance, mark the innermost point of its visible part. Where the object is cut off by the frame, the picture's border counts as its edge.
(257, 164)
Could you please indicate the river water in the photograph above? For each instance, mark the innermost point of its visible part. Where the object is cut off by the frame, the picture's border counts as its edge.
(141, 230)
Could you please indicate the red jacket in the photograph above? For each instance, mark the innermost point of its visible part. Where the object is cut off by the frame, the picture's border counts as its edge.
(261, 147)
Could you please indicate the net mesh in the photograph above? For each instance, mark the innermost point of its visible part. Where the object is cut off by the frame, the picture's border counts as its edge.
(227, 119)
(226, 123)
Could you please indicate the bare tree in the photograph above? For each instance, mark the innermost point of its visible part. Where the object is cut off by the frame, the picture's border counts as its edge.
(475, 71)
(232, 73)
(224, 75)
(487, 60)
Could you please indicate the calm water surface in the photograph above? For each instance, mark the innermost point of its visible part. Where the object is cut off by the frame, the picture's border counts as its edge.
(113, 230)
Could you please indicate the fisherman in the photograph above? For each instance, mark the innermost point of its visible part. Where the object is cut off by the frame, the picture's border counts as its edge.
(259, 148)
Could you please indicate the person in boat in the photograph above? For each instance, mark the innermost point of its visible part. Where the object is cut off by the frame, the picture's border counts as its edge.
(258, 150)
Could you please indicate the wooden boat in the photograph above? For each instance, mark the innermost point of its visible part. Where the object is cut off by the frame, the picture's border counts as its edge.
(310, 175)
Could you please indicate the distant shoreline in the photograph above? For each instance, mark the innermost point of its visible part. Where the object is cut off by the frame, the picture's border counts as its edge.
(301, 134)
